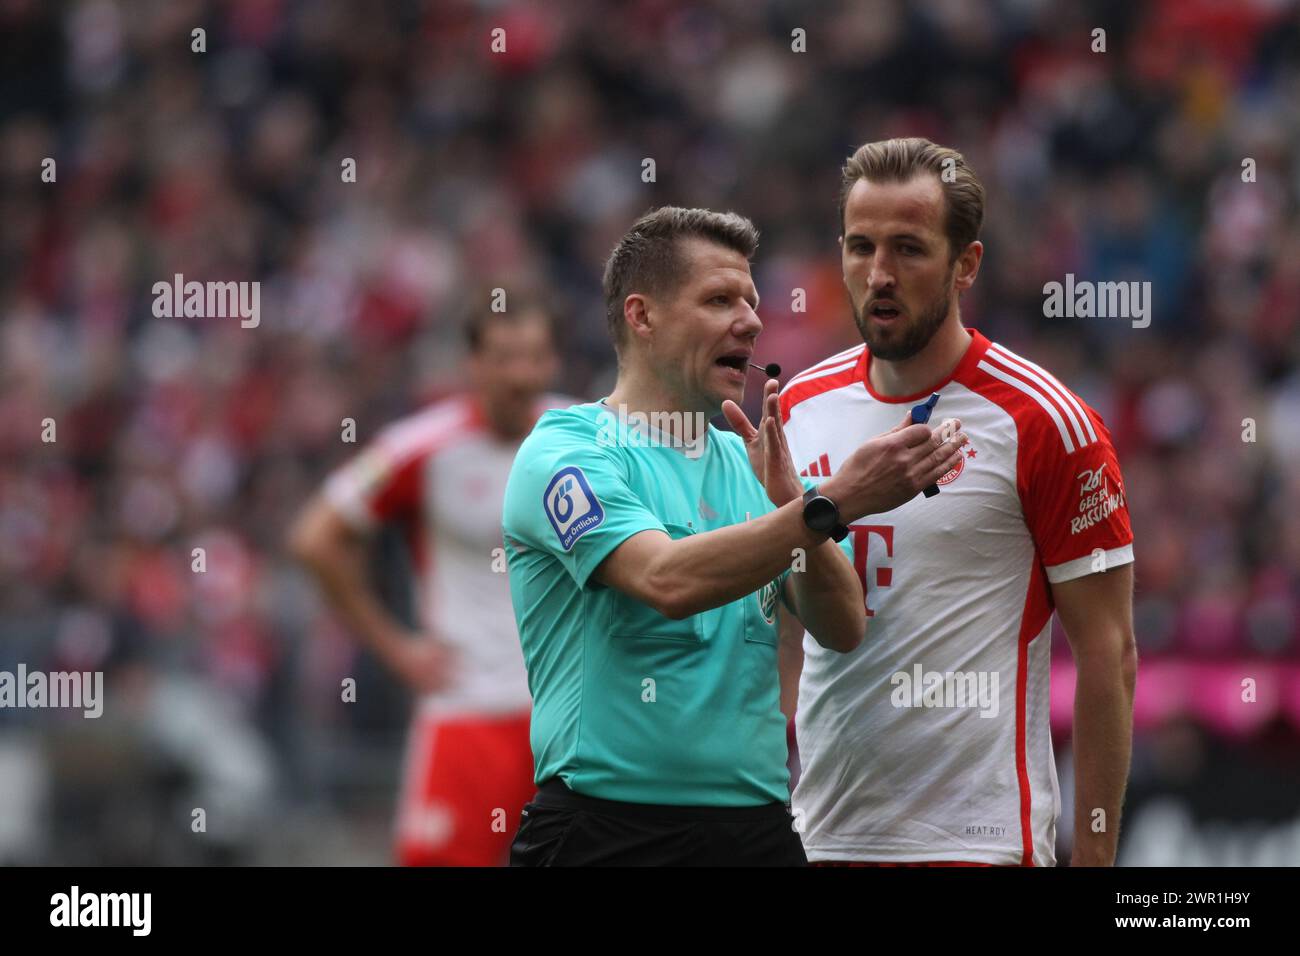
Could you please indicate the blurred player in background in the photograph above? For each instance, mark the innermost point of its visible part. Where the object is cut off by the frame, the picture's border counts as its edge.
(440, 475)
(930, 742)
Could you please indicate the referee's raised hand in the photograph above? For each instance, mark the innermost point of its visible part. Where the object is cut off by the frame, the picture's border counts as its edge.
(891, 469)
(769, 455)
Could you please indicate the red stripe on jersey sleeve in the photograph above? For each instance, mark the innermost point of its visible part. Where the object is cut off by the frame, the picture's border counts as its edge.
(399, 497)
(386, 480)
(1075, 504)
(1073, 499)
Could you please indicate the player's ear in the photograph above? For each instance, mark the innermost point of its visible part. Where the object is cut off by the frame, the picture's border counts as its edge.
(968, 265)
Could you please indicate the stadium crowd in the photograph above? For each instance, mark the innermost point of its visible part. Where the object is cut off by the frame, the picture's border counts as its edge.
(478, 170)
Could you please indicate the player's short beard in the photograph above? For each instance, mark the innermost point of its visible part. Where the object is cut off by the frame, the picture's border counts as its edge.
(915, 336)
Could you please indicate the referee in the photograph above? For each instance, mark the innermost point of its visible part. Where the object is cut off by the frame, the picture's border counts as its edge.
(646, 561)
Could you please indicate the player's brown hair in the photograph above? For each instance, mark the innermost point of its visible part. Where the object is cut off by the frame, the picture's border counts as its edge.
(648, 257)
(524, 303)
(898, 160)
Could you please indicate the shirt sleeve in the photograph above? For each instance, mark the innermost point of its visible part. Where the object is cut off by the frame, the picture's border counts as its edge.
(381, 483)
(1074, 502)
(570, 497)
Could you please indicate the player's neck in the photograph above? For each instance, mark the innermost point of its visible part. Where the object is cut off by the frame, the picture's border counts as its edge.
(642, 394)
(927, 368)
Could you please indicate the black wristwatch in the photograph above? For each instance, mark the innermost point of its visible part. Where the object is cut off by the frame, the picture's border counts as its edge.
(822, 515)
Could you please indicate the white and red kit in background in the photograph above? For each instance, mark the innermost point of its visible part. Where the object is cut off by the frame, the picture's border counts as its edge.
(440, 476)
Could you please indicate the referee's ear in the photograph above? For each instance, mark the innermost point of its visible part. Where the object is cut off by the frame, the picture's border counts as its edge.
(636, 313)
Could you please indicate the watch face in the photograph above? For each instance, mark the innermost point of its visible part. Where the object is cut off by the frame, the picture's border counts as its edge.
(819, 513)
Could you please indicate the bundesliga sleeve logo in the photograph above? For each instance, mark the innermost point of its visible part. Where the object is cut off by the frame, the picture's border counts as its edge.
(571, 506)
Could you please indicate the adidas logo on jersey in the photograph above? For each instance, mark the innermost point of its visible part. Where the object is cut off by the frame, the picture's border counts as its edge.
(821, 468)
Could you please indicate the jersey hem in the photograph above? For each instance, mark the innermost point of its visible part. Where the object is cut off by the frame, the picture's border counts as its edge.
(996, 857)
(637, 799)
(431, 706)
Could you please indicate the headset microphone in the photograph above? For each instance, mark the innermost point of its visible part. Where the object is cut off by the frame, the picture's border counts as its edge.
(771, 369)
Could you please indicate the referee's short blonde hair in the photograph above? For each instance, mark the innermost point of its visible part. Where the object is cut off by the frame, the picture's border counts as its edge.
(648, 258)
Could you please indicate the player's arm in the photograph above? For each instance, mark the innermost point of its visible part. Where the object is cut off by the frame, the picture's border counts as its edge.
(1097, 613)
(1095, 607)
(335, 552)
(789, 661)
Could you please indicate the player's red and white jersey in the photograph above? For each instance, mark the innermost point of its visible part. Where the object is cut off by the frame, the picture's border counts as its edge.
(931, 740)
(440, 475)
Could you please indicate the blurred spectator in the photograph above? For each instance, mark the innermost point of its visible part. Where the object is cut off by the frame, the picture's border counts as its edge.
(477, 170)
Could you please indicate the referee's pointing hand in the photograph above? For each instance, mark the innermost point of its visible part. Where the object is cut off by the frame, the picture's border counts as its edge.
(769, 455)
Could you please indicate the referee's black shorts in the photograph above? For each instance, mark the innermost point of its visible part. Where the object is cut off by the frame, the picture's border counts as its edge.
(563, 828)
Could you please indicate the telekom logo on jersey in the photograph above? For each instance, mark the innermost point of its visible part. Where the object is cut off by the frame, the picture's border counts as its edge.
(862, 536)
(921, 688)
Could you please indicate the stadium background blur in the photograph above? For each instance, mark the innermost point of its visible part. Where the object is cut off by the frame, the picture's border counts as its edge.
(519, 170)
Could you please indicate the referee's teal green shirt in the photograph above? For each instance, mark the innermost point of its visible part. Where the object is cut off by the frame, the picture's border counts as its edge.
(628, 704)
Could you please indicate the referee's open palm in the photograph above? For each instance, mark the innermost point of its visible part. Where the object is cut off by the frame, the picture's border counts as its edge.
(769, 455)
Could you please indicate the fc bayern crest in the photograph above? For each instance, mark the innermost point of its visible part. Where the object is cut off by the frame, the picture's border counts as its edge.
(953, 475)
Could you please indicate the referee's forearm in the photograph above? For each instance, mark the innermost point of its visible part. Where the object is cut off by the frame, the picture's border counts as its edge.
(828, 599)
(707, 570)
